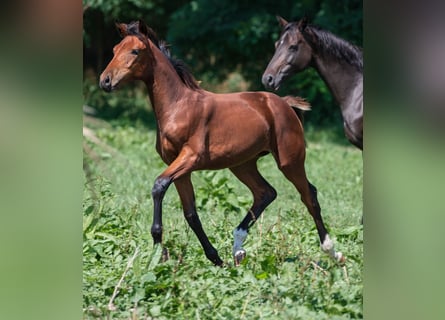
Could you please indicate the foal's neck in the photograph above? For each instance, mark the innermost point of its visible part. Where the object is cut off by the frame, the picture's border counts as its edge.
(164, 85)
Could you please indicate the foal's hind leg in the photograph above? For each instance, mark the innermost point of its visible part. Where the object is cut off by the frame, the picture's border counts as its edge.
(263, 195)
(185, 190)
(296, 174)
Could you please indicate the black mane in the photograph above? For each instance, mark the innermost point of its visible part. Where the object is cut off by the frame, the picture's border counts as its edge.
(137, 28)
(181, 68)
(327, 43)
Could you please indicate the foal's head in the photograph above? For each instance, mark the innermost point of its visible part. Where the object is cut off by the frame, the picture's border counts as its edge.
(132, 55)
(134, 58)
(292, 54)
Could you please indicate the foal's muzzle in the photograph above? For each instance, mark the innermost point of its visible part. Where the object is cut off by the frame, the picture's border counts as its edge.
(105, 83)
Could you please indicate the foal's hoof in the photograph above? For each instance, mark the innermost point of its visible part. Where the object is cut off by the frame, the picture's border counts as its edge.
(340, 258)
(165, 254)
(239, 256)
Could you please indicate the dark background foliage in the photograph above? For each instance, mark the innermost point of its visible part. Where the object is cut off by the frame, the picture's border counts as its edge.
(227, 45)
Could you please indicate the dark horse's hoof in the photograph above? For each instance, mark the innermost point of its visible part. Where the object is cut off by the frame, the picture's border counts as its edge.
(239, 256)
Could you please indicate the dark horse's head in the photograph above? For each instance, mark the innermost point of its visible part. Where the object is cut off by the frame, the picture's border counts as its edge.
(292, 54)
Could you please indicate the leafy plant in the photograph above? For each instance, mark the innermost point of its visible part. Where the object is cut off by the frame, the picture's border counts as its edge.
(285, 274)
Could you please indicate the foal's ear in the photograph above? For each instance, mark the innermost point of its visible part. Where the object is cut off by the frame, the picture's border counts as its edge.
(282, 22)
(122, 28)
(142, 27)
(302, 24)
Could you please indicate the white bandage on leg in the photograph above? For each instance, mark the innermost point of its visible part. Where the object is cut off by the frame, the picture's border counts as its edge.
(239, 236)
(328, 247)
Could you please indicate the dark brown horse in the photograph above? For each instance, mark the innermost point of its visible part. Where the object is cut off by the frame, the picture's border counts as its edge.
(338, 62)
(198, 130)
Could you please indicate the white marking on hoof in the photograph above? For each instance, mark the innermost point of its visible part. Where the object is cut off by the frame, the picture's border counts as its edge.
(239, 236)
(239, 256)
(340, 258)
(327, 244)
(328, 247)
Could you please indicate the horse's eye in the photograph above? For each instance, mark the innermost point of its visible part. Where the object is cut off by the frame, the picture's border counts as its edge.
(135, 52)
(293, 47)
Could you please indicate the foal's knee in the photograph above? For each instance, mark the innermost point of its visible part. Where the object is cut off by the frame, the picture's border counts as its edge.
(160, 187)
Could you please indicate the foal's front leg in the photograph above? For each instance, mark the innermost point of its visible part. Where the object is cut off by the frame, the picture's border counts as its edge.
(160, 187)
(179, 173)
(183, 164)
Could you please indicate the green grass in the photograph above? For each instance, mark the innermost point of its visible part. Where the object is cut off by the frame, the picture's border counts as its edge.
(285, 274)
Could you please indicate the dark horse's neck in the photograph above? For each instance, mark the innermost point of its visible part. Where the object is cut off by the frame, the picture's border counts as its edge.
(340, 64)
(340, 78)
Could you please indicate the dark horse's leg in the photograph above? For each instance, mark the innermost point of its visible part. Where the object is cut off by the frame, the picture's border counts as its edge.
(179, 173)
(185, 190)
(263, 195)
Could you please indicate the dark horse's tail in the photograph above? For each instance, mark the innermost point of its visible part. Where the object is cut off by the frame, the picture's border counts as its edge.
(299, 105)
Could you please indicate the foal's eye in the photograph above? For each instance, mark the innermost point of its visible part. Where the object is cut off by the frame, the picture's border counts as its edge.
(293, 47)
(135, 52)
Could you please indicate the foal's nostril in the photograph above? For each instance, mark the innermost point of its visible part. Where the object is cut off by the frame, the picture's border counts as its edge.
(106, 83)
(269, 79)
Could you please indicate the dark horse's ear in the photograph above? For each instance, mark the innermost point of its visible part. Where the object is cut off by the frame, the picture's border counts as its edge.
(302, 24)
(122, 29)
(282, 22)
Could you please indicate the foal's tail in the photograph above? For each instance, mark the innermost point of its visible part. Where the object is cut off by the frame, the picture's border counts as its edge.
(299, 105)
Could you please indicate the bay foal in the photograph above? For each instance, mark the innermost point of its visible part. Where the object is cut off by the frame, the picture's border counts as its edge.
(198, 130)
